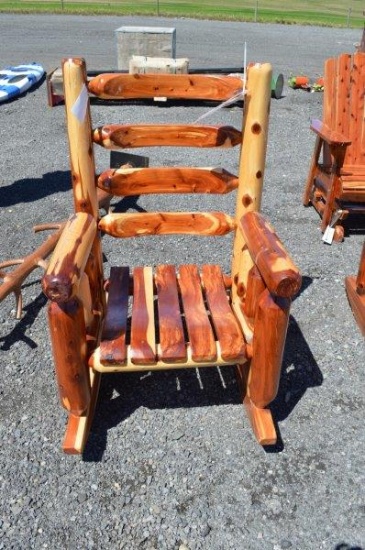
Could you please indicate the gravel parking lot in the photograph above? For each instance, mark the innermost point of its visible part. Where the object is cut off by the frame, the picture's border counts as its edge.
(171, 461)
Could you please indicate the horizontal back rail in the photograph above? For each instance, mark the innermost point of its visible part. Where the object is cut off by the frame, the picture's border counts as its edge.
(127, 136)
(167, 223)
(183, 86)
(165, 179)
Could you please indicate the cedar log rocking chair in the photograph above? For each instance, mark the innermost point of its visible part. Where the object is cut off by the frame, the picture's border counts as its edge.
(167, 317)
(336, 179)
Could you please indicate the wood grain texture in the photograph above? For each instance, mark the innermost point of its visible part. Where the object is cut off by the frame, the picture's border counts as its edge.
(79, 135)
(280, 274)
(113, 348)
(143, 339)
(127, 136)
(360, 279)
(167, 223)
(255, 128)
(200, 331)
(62, 278)
(172, 86)
(142, 181)
(255, 287)
(270, 327)
(171, 330)
(356, 301)
(226, 326)
(68, 336)
(78, 427)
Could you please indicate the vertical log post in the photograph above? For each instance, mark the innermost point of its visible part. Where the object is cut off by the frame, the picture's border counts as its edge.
(83, 168)
(255, 287)
(271, 323)
(68, 336)
(252, 163)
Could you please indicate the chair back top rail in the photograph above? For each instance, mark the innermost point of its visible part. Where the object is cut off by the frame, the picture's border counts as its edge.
(171, 86)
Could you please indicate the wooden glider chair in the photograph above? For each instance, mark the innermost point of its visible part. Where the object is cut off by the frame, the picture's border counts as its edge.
(167, 317)
(336, 180)
(355, 288)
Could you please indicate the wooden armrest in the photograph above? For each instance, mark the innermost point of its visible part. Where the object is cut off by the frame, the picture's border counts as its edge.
(328, 135)
(280, 274)
(61, 280)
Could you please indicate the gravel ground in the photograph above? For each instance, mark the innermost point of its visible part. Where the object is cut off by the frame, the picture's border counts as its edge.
(171, 461)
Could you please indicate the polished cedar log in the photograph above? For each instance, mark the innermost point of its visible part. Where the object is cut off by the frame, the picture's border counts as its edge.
(69, 258)
(280, 274)
(68, 333)
(255, 287)
(165, 179)
(125, 136)
(167, 223)
(182, 86)
(271, 322)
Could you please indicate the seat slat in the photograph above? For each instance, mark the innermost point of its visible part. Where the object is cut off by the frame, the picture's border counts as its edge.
(172, 340)
(113, 339)
(126, 136)
(183, 86)
(199, 329)
(167, 223)
(143, 341)
(164, 179)
(225, 323)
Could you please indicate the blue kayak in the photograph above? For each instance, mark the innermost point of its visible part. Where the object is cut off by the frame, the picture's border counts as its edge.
(17, 80)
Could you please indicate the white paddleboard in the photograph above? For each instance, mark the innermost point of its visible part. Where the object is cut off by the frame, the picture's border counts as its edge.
(17, 80)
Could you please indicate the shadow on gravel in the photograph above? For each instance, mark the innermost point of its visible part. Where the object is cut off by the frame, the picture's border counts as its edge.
(18, 333)
(33, 189)
(122, 394)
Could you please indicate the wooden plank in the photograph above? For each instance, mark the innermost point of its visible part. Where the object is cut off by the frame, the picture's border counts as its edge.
(182, 86)
(164, 179)
(113, 339)
(329, 93)
(125, 136)
(343, 91)
(200, 332)
(171, 331)
(143, 342)
(226, 326)
(356, 153)
(167, 223)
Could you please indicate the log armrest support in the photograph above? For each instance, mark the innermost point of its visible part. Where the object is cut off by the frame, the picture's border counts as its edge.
(328, 135)
(62, 278)
(278, 271)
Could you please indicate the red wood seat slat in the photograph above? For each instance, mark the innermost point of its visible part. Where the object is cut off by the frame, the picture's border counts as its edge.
(226, 326)
(200, 332)
(171, 330)
(143, 348)
(113, 339)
